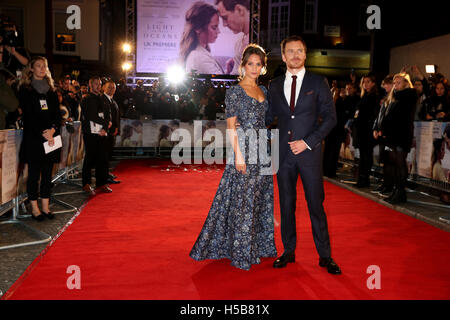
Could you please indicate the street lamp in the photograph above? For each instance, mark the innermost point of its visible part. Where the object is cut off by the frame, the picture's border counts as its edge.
(126, 66)
(126, 48)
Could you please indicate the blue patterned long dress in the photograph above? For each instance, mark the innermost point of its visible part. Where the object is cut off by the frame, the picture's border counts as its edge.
(239, 225)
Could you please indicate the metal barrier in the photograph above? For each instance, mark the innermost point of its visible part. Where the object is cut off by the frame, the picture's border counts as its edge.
(10, 142)
(61, 177)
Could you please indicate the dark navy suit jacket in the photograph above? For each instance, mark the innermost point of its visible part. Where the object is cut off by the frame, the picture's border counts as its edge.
(313, 118)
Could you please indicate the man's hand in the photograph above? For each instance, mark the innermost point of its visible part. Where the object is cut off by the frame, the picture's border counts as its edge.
(109, 124)
(116, 131)
(440, 115)
(102, 133)
(298, 146)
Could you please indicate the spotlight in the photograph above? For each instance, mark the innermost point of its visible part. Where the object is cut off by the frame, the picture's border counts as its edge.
(430, 68)
(126, 66)
(126, 47)
(175, 74)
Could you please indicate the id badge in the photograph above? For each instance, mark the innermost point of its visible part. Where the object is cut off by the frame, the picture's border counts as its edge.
(44, 105)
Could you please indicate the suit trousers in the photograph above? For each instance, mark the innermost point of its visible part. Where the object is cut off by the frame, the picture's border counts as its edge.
(312, 180)
(111, 143)
(96, 157)
(36, 170)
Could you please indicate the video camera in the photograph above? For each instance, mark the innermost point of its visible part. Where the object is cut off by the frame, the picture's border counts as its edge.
(8, 34)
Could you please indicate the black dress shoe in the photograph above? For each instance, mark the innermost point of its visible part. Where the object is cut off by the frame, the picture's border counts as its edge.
(399, 196)
(111, 181)
(38, 218)
(282, 261)
(48, 215)
(112, 176)
(104, 189)
(331, 266)
(362, 184)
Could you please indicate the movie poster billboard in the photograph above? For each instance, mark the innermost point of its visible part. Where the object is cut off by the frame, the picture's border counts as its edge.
(191, 34)
(163, 133)
(10, 157)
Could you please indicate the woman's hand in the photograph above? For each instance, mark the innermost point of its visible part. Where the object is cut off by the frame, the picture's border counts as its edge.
(240, 164)
(48, 134)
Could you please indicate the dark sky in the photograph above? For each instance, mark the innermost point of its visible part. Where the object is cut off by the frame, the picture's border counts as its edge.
(404, 22)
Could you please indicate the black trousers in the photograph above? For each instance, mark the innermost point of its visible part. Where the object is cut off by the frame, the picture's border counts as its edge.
(312, 181)
(397, 168)
(38, 170)
(111, 143)
(388, 168)
(96, 157)
(331, 151)
(365, 161)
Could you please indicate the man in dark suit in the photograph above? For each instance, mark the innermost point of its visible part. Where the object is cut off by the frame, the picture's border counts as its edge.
(109, 88)
(95, 123)
(306, 114)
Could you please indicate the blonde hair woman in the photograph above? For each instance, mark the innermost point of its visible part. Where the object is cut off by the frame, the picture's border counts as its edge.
(397, 132)
(41, 123)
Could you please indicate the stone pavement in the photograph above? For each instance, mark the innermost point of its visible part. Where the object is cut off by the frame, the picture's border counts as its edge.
(422, 205)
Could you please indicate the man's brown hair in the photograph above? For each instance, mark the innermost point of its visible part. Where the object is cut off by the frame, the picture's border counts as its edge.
(292, 39)
(230, 4)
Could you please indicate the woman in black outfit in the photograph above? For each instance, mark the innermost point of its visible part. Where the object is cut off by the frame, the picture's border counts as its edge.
(41, 123)
(397, 131)
(365, 116)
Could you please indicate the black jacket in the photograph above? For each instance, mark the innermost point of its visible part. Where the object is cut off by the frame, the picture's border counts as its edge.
(313, 118)
(398, 125)
(114, 114)
(35, 121)
(365, 116)
(92, 109)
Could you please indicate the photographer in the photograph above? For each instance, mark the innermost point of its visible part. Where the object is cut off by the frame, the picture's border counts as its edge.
(12, 57)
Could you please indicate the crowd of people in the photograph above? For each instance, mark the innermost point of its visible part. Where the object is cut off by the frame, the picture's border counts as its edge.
(40, 107)
(372, 113)
(193, 100)
(384, 115)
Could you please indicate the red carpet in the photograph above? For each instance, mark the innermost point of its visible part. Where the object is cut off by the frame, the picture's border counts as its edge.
(134, 244)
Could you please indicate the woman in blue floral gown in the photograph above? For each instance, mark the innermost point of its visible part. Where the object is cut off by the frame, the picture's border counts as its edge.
(239, 225)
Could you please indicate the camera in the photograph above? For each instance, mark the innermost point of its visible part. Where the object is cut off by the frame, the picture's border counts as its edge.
(8, 34)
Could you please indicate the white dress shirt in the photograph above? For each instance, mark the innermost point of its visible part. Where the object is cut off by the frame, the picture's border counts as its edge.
(239, 47)
(288, 83)
(287, 87)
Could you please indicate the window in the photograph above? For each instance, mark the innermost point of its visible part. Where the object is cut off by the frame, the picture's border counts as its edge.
(279, 21)
(65, 39)
(310, 20)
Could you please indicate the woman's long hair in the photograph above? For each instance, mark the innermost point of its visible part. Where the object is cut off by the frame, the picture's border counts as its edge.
(406, 79)
(27, 74)
(164, 132)
(252, 48)
(372, 79)
(437, 145)
(197, 18)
